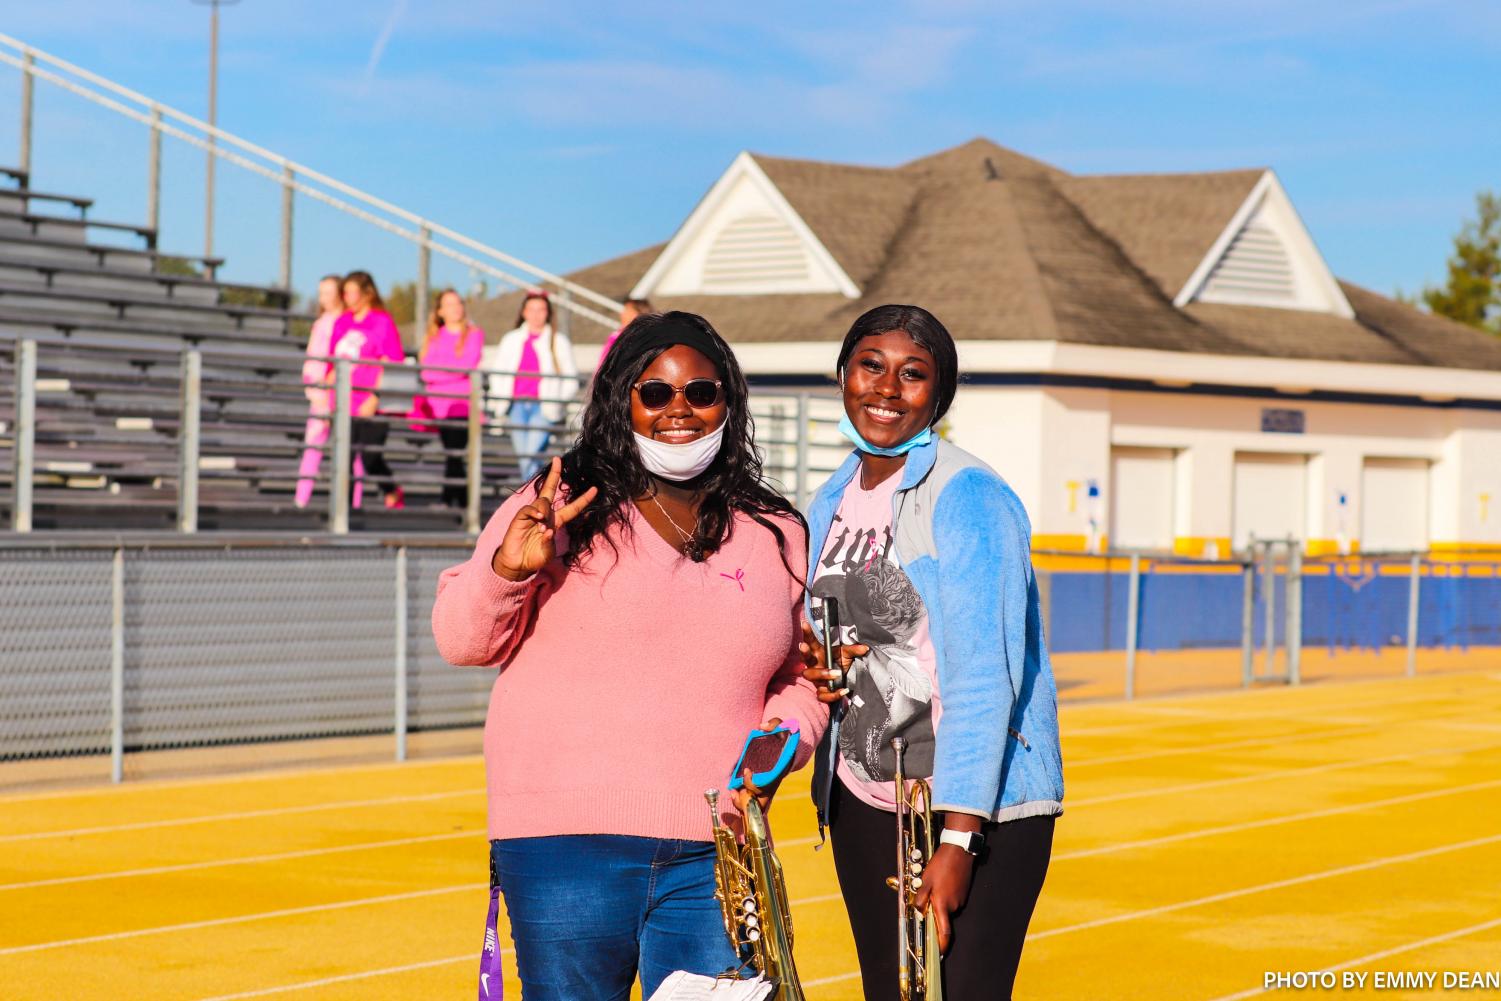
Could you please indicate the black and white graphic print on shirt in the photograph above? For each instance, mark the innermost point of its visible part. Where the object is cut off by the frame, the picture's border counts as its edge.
(892, 689)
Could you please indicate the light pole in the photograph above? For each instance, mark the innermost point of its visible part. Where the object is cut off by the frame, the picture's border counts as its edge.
(213, 115)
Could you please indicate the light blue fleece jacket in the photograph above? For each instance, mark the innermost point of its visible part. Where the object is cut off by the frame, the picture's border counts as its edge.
(963, 539)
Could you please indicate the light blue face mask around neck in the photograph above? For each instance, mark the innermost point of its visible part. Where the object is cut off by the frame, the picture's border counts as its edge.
(847, 428)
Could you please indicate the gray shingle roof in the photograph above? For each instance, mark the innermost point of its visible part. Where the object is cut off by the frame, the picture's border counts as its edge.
(1004, 247)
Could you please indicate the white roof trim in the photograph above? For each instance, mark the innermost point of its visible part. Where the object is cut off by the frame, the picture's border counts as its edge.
(1312, 272)
(1167, 368)
(743, 167)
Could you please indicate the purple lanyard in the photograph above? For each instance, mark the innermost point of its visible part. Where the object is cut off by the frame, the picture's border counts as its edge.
(491, 984)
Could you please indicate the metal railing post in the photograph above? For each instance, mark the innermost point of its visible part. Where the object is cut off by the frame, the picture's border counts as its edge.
(424, 278)
(188, 441)
(154, 173)
(1271, 608)
(804, 431)
(28, 94)
(338, 492)
(288, 179)
(117, 667)
(1133, 613)
(1248, 621)
(1294, 637)
(401, 653)
(474, 470)
(1414, 589)
(23, 464)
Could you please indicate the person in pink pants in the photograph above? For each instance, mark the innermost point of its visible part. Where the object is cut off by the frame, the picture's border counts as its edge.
(317, 378)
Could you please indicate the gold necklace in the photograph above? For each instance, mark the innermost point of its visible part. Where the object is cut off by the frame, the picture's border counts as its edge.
(695, 550)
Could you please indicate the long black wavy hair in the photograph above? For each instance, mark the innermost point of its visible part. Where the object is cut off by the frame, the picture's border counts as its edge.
(604, 455)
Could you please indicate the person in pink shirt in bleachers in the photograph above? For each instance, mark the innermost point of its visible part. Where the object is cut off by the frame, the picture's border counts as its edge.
(452, 342)
(628, 312)
(365, 333)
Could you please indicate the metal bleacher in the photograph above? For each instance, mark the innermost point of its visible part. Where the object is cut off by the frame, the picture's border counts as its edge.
(111, 326)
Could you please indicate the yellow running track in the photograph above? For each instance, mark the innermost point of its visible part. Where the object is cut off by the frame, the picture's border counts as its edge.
(1207, 840)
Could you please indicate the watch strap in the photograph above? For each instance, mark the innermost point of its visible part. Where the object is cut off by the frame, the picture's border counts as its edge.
(969, 841)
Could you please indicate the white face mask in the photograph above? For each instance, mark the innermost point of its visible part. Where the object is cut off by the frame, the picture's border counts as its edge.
(679, 462)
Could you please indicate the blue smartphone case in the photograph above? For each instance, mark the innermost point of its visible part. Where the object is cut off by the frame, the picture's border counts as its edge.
(768, 762)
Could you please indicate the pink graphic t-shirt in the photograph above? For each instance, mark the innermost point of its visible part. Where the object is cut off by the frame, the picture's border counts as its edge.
(894, 688)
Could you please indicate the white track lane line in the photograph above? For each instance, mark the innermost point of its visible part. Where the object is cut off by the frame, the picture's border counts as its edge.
(837, 978)
(244, 918)
(1383, 954)
(1278, 773)
(1280, 884)
(1291, 818)
(210, 818)
(1249, 825)
(244, 860)
(1292, 738)
(427, 964)
(306, 985)
(250, 774)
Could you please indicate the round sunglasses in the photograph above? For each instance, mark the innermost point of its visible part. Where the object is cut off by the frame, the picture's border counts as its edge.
(656, 394)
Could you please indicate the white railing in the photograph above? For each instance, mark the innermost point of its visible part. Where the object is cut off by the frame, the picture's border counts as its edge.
(294, 178)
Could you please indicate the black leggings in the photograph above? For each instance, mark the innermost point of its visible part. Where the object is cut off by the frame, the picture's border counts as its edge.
(455, 438)
(368, 438)
(988, 932)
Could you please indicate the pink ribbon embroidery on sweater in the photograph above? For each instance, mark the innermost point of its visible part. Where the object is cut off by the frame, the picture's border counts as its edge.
(738, 578)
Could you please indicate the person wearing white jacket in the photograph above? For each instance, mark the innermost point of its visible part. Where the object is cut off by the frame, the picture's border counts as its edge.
(532, 376)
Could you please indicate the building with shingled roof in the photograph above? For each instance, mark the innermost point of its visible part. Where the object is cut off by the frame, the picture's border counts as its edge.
(1162, 362)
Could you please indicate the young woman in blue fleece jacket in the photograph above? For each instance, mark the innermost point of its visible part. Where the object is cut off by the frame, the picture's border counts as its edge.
(928, 553)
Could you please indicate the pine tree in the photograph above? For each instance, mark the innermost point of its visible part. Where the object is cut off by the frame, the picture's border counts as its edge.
(1472, 293)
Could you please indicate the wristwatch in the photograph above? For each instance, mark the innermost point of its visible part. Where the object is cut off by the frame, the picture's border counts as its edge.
(970, 841)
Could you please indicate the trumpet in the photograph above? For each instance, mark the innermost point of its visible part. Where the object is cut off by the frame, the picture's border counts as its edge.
(919, 960)
(752, 894)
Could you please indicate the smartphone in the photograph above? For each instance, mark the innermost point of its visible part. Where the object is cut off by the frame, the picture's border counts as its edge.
(831, 643)
(768, 754)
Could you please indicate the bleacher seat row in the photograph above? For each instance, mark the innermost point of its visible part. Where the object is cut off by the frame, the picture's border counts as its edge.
(111, 322)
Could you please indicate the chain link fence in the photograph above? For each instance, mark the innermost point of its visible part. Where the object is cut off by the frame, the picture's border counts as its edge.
(114, 650)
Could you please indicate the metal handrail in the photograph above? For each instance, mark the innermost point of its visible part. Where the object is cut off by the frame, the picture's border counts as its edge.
(292, 176)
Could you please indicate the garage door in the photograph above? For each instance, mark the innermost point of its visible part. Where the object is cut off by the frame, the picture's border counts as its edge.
(1271, 491)
(1394, 504)
(1141, 508)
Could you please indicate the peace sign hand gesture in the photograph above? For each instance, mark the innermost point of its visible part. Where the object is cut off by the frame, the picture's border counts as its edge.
(528, 545)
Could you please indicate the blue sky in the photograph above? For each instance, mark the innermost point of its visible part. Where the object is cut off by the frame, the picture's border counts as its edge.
(568, 132)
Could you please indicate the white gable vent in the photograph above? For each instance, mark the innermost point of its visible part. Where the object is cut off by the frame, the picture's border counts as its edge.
(744, 238)
(1266, 257)
(754, 250)
(1255, 268)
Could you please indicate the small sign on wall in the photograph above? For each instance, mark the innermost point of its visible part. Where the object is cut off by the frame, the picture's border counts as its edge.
(1280, 421)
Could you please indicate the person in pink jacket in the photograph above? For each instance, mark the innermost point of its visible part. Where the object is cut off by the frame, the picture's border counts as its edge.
(642, 603)
(318, 376)
(452, 342)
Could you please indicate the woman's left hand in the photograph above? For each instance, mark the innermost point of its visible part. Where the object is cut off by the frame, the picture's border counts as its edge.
(945, 888)
(763, 796)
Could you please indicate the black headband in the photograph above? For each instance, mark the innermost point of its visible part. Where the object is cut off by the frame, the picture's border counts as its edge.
(675, 328)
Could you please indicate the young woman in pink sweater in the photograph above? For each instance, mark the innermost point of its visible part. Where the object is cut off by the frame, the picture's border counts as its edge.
(643, 602)
(452, 342)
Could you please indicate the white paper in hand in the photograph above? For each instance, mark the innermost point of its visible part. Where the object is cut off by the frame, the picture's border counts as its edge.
(684, 986)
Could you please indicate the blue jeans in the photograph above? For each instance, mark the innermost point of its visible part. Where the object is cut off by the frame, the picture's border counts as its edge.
(588, 912)
(530, 438)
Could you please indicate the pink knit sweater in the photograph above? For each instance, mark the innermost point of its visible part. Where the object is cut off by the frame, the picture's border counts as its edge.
(627, 688)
